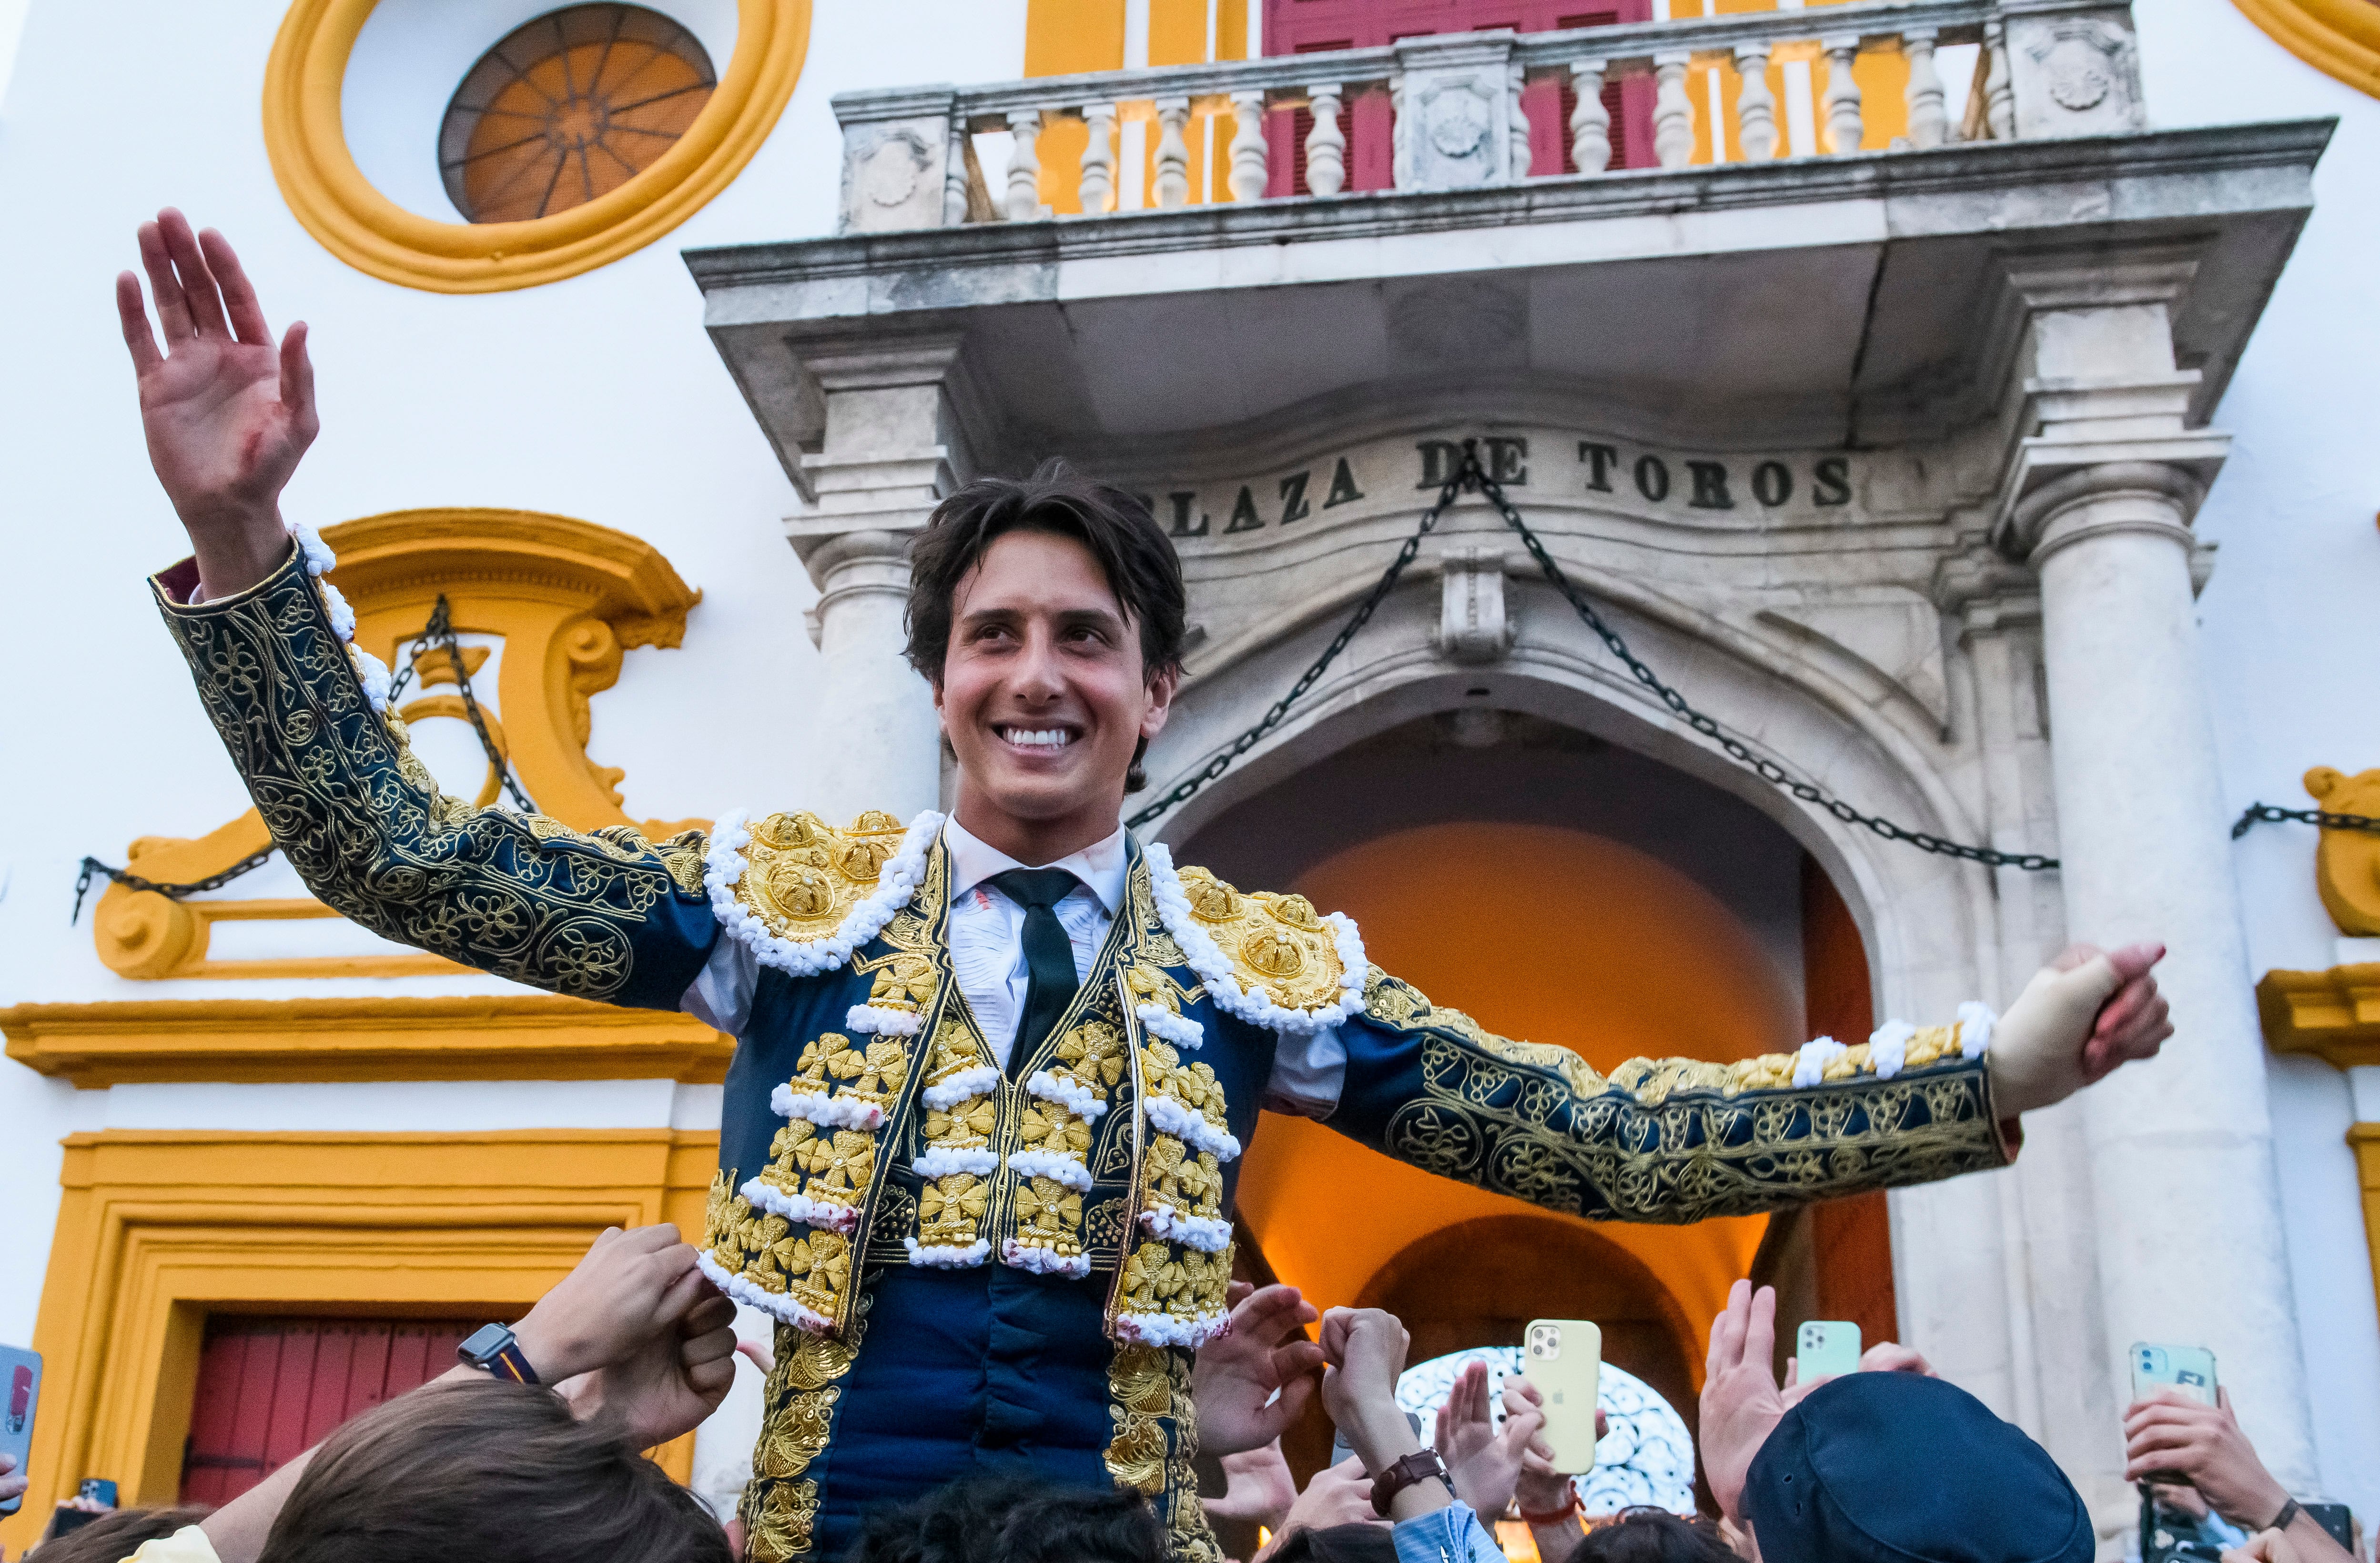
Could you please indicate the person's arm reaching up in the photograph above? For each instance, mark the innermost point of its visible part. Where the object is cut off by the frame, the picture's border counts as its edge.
(2170, 1431)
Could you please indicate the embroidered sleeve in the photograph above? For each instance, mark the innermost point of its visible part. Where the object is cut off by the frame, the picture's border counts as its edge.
(604, 915)
(1666, 1139)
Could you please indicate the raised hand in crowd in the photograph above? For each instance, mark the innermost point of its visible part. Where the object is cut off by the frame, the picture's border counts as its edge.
(1339, 1495)
(1483, 1462)
(226, 411)
(13, 1482)
(2171, 1432)
(1740, 1404)
(1885, 1356)
(1251, 1382)
(1548, 1499)
(1259, 1488)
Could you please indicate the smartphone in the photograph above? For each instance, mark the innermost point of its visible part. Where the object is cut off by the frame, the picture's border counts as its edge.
(1563, 1358)
(2190, 1369)
(1827, 1348)
(21, 1391)
(98, 1490)
(1342, 1451)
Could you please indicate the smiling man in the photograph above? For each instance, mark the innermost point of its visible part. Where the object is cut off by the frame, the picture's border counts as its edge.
(996, 1071)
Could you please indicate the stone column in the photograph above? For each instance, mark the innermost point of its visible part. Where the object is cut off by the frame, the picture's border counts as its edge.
(2099, 500)
(891, 446)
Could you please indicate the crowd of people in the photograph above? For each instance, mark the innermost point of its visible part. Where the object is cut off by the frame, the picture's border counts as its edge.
(1888, 1463)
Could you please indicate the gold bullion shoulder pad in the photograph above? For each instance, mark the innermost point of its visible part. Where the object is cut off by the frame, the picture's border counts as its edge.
(804, 894)
(1287, 961)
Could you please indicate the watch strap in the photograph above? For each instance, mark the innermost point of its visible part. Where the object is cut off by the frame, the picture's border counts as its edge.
(1554, 1516)
(493, 1350)
(2287, 1516)
(1419, 1466)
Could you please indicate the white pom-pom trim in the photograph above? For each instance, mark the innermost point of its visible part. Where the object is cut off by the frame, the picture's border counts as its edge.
(827, 1112)
(1167, 1026)
(1072, 1095)
(1888, 1048)
(1164, 1329)
(1200, 1231)
(1170, 1116)
(343, 618)
(1058, 1167)
(947, 1256)
(870, 1021)
(1810, 1063)
(1043, 1261)
(1975, 1022)
(1215, 969)
(373, 674)
(966, 1082)
(724, 866)
(320, 560)
(801, 1207)
(775, 1305)
(941, 1161)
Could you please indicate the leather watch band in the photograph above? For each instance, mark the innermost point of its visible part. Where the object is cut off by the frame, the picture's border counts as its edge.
(1419, 1466)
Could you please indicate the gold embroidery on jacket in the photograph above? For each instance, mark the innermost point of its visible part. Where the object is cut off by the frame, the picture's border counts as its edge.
(781, 1503)
(1275, 943)
(1156, 1442)
(802, 877)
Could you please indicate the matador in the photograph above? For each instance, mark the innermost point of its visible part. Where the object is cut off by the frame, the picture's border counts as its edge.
(997, 1071)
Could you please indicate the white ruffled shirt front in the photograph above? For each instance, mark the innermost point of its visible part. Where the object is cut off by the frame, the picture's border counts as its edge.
(987, 933)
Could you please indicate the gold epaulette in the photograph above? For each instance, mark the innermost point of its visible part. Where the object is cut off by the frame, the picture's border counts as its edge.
(1267, 959)
(803, 894)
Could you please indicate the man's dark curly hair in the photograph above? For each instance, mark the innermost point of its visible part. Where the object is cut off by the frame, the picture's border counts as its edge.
(993, 1520)
(1132, 552)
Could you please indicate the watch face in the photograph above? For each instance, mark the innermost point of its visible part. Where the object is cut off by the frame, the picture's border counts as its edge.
(483, 1343)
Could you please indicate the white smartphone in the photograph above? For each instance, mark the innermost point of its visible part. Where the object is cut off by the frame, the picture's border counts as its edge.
(20, 1392)
(1563, 1358)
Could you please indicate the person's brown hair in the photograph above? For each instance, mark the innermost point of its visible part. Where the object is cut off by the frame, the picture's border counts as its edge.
(118, 1535)
(493, 1471)
(1132, 550)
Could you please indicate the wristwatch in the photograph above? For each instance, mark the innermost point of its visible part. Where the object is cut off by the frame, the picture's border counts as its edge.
(492, 1349)
(1418, 1466)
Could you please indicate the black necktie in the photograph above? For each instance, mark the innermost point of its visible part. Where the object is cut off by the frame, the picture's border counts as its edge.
(1049, 953)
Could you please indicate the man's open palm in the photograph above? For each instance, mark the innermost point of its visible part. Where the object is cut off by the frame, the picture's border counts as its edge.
(227, 413)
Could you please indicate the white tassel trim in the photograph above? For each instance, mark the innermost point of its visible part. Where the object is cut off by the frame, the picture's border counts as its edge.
(1051, 1165)
(828, 1112)
(947, 1256)
(725, 864)
(1167, 1026)
(1164, 1329)
(1975, 1022)
(1170, 1116)
(870, 1021)
(941, 1161)
(1215, 969)
(1072, 1095)
(966, 1082)
(1810, 1063)
(373, 673)
(1888, 1048)
(801, 1207)
(1203, 1232)
(1043, 1261)
(778, 1306)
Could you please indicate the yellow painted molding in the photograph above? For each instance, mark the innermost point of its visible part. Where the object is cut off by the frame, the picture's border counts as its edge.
(158, 1229)
(2346, 863)
(2339, 38)
(2363, 1139)
(2332, 1015)
(525, 1036)
(568, 598)
(307, 142)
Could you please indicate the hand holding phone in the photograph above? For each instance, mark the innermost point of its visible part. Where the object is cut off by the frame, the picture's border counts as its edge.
(21, 1391)
(1563, 1358)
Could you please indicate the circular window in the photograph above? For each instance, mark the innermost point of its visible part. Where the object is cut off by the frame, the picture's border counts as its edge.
(568, 107)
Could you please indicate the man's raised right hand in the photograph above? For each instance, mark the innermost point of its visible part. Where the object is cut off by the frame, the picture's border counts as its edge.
(227, 413)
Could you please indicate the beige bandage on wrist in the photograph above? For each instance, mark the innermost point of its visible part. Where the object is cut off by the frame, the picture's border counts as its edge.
(2036, 1054)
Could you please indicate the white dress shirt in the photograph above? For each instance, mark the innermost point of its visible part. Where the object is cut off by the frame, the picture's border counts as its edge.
(987, 934)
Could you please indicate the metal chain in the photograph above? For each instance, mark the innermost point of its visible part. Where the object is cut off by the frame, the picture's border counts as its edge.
(2262, 813)
(438, 631)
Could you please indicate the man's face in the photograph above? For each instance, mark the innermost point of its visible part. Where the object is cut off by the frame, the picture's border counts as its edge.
(1042, 695)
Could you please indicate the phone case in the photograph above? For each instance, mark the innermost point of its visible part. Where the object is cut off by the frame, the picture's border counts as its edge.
(1827, 1348)
(21, 1391)
(1563, 1358)
(2188, 1368)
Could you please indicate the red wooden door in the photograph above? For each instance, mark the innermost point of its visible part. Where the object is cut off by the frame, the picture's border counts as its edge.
(271, 1388)
(1304, 27)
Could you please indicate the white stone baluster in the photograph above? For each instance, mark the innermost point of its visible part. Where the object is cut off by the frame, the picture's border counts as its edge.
(1172, 151)
(1099, 158)
(1843, 128)
(2000, 98)
(954, 176)
(1929, 121)
(1590, 121)
(1250, 151)
(1756, 105)
(1024, 165)
(1518, 156)
(1325, 144)
(1673, 111)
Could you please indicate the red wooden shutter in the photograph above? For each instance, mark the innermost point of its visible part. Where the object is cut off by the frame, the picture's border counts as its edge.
(271, 1388)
